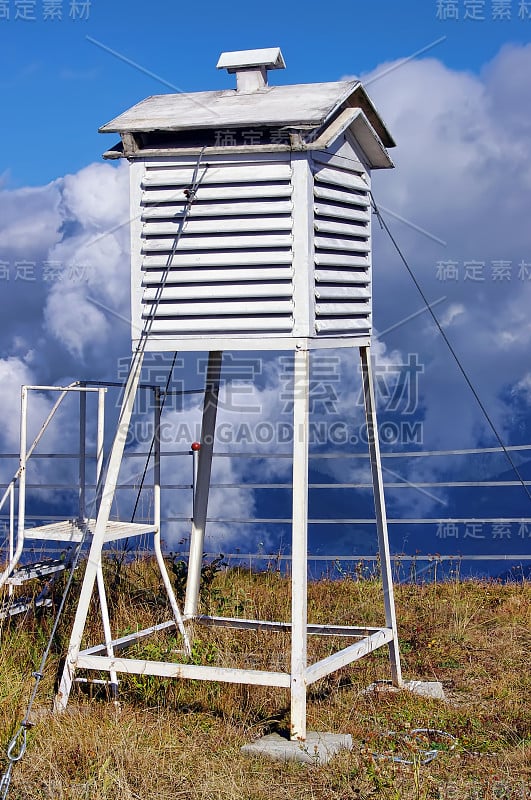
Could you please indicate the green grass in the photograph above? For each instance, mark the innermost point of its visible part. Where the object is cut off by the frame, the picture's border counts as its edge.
(181, 739)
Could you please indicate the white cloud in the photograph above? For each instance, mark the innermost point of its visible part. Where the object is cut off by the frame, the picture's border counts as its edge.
(60, 436)
(450, 314)
(97, 196)
(523, 387)
(463, 173)
(30, 221)
(13, 374)
(75, 321)
(96, 261)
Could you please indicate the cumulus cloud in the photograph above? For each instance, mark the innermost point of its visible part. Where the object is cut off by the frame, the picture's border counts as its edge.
(451, 313)
(524, 386)
(95, 258)
(30, 221)
(13, 374)
(463, 175)
(61, 435)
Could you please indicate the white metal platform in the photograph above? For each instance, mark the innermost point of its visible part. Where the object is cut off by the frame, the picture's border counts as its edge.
(75, 530)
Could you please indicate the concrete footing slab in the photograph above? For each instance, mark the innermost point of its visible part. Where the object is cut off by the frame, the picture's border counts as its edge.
(318, 748)
(426, 689)
(432, 689)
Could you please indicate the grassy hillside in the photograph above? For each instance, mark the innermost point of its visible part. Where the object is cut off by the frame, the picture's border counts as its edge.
(182, 739)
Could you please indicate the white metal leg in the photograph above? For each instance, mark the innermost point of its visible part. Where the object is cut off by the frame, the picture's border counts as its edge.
(195, 459)
(157, 537)
(104, 511)
(82, 452)
(11, 589)
(100, 436)
(299, 568)
(104, 608)
(381, 516)
(202, 487)
(21, 522)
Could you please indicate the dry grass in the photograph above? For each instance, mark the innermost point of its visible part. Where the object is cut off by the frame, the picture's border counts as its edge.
(182, 739)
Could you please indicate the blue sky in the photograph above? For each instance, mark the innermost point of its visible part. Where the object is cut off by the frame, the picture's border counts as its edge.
(456, 95)
(57, 86)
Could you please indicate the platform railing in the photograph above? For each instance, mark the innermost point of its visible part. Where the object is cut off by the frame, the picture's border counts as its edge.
(19, 479)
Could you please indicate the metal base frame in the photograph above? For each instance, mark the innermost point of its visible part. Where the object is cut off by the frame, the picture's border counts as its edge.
(104, 657)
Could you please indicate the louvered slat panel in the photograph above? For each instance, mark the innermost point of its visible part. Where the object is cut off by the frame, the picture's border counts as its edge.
(342, 251)
(181, 277)
(357, 200)
(344, 228)
(217, 259)
(341, 211)
(226, 325)
(229, 242)
(354, 324)
(222, 209)
(218, 291)
(330, 259)
(348, 278)
(154, 195)
(222, 307)
(326, 291)
(192, 226)
(232, 269)
(356, 306)
(341, 178)
(358, 246)
(217, 173)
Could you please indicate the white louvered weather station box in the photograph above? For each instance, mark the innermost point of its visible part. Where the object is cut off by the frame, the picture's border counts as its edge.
(276, 249)
(250, 230)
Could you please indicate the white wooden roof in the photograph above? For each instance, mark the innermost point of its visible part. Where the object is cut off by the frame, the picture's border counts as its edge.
(299, 106)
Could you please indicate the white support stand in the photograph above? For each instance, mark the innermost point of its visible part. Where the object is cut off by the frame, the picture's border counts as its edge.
(381, 515)
(202, 484)
(104, 608)
(301, 674)
(299, 544)
(157, 544)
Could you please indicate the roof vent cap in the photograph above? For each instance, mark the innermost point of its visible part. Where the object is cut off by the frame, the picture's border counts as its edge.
(251, 66)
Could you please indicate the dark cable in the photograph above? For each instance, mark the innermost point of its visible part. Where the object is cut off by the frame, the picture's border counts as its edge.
(385, 227)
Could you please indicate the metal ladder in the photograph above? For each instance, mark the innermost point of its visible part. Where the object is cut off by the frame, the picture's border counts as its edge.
(73, 531)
